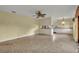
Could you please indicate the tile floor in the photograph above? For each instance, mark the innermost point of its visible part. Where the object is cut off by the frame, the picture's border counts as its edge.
(58, 43)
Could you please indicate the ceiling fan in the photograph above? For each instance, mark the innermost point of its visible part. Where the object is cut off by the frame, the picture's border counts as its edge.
(39, 14)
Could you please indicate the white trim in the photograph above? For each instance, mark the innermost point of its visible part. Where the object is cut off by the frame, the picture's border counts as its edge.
(18, 37)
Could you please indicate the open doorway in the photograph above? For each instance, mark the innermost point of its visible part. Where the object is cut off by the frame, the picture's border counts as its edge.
(63, 26)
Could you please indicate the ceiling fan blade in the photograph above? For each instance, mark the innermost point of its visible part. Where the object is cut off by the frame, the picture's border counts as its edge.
(43, 15)
(39, 14)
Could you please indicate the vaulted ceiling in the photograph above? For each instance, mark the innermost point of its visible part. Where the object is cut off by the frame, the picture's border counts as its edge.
(55, 11)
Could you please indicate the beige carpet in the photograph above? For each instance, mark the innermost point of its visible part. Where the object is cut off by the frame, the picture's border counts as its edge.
(59, 43)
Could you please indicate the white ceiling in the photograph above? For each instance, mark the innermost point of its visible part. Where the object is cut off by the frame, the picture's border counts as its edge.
(55, 11)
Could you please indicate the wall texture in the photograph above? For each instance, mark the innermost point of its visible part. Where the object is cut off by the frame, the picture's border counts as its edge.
(12, 25)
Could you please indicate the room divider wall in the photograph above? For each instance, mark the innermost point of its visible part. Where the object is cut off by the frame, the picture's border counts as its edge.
(77, 16)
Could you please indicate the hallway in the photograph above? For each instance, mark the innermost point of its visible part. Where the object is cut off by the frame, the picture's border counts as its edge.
(59, 43)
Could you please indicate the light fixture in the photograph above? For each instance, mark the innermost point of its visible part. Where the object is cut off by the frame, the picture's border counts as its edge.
(63, 22)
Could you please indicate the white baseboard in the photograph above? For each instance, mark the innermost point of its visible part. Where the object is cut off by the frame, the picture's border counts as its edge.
(13, 38)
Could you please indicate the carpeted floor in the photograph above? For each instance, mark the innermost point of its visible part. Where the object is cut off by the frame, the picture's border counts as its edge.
(59, 43)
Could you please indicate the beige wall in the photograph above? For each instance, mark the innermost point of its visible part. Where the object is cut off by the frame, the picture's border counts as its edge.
(75, 30)
(12, 25)
(13, 19)
(44, 22)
